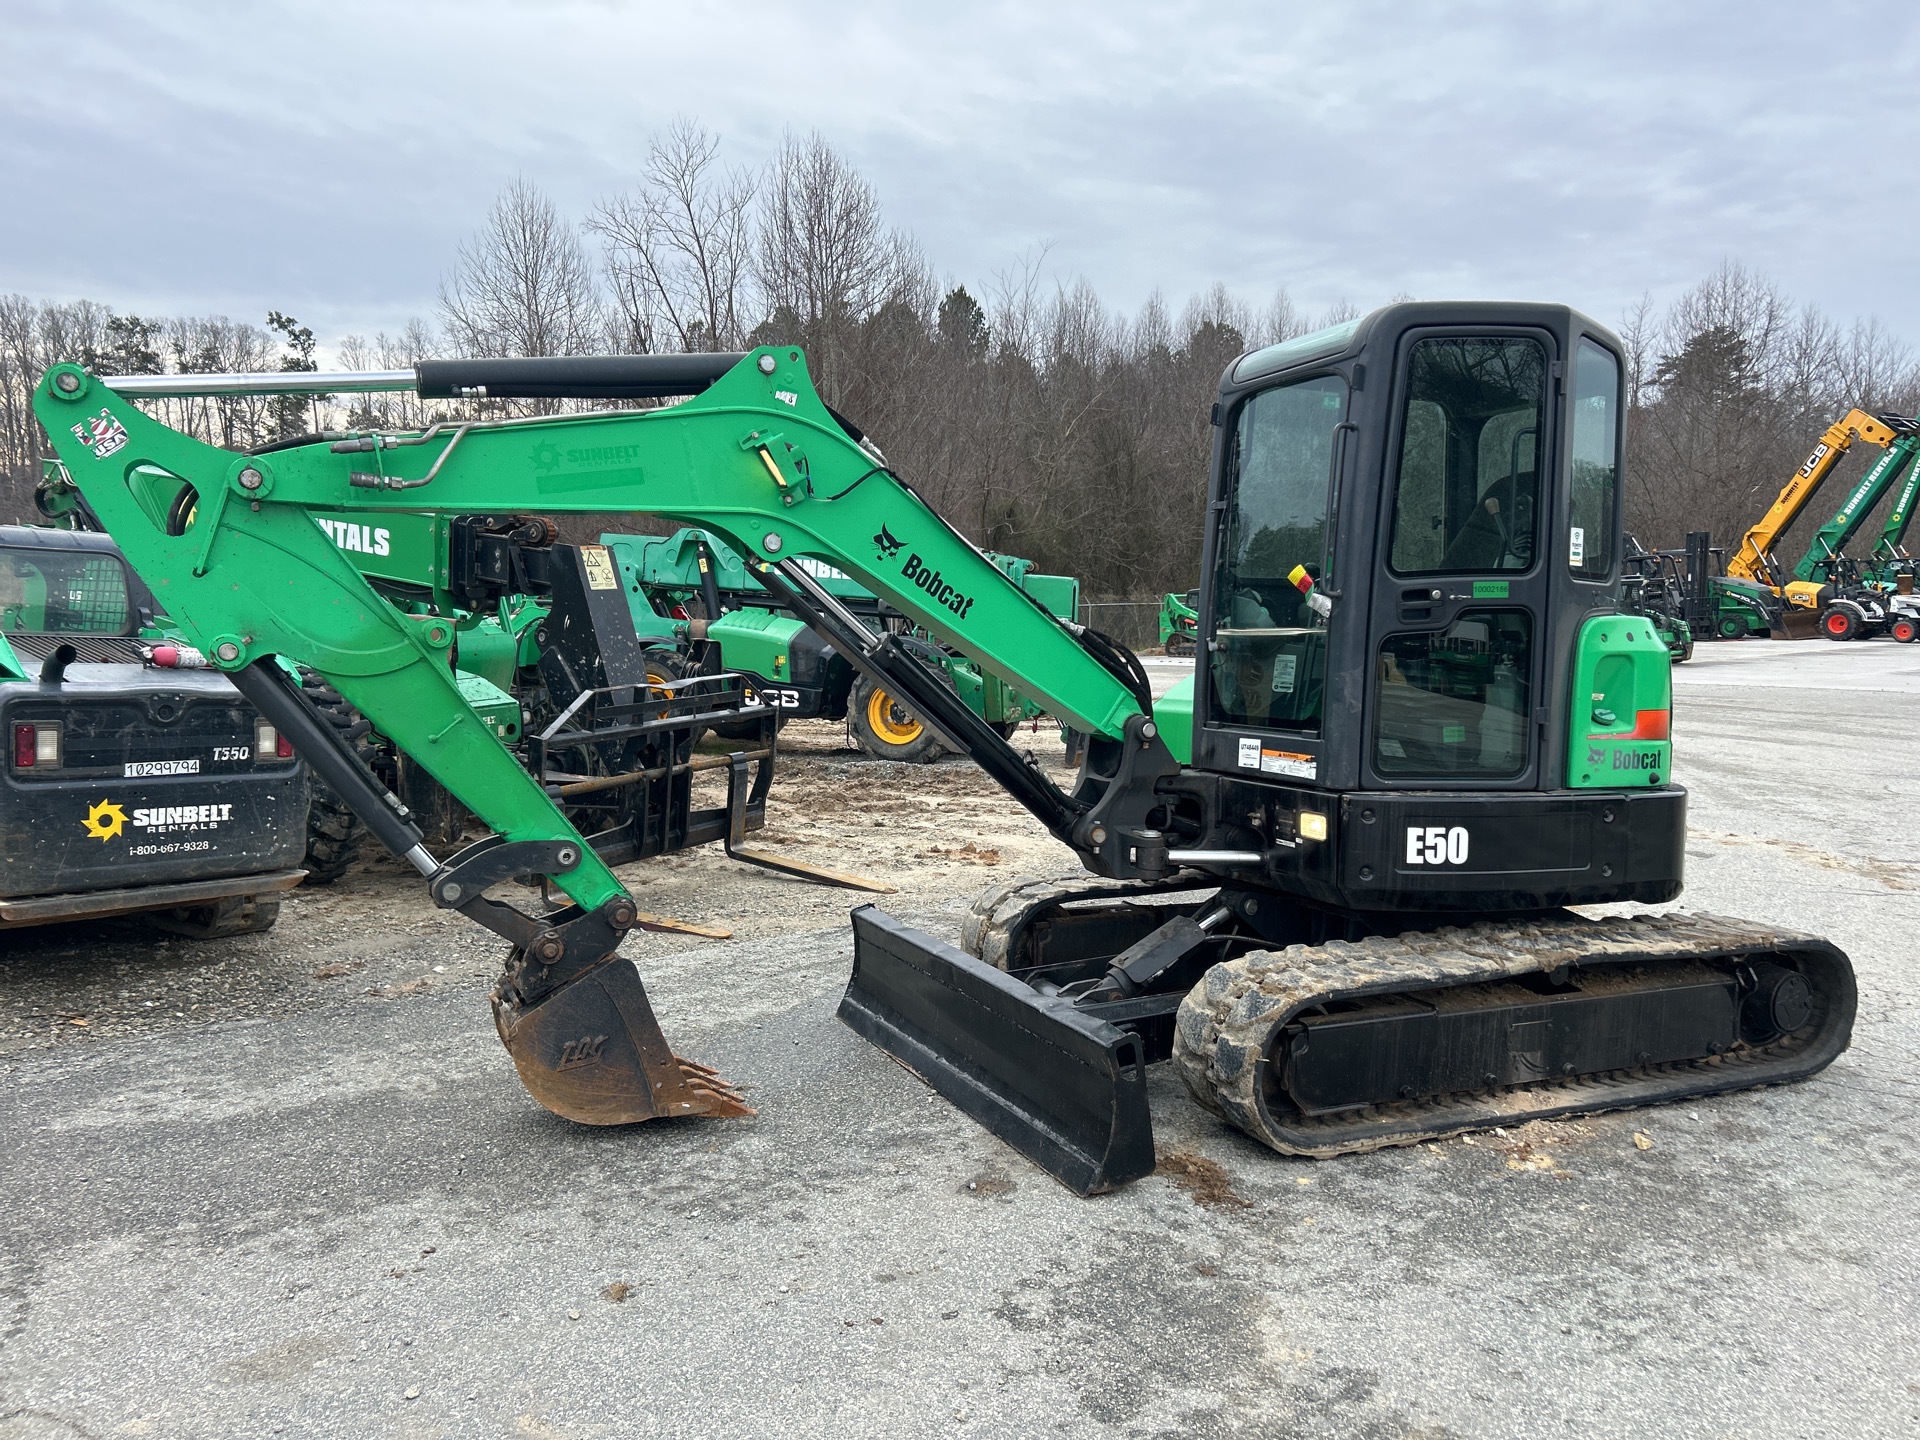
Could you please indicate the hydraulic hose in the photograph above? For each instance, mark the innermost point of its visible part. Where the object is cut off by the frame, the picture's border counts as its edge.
(1122, 663)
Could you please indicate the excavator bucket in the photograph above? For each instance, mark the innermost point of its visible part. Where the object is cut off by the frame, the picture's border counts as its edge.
(592, 1052)
(1067, 1091)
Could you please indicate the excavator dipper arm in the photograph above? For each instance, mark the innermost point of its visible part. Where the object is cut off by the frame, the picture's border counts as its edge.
(229, 544)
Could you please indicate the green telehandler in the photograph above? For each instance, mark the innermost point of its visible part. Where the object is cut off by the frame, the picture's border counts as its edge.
(1890, 558)
(1422, 726)
(1824, 561)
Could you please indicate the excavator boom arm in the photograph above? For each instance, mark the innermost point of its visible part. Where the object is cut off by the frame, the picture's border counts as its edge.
(230, 545)
(1893, 534)
(755, 455)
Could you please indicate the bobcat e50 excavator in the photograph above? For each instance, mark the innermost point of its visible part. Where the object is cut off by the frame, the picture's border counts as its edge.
(1421, 727)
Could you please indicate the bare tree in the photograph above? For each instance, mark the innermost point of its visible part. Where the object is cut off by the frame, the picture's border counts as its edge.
(679, 248)
(1281, 320)
(399, 410)
(825, 253)
(1729, 388)
(522, 285)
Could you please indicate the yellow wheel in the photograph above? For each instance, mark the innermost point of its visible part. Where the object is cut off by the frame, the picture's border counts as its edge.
(664, 666)
(890, 721)
(886, 729)
(657, 690)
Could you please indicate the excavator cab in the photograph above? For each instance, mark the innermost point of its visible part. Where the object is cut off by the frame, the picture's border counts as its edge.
(1413, 501)
(1445, 482)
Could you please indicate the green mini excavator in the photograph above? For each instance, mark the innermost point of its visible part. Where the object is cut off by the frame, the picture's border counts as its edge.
(1420, 727)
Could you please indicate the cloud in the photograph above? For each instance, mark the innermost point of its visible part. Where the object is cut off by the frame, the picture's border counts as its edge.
(327, 160)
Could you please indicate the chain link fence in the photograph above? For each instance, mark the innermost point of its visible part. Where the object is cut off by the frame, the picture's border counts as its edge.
(1134, 622)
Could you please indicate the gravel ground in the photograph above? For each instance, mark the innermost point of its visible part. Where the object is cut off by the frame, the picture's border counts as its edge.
(287, 1184)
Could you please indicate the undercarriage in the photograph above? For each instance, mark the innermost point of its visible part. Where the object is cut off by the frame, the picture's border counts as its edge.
(1320, 1033)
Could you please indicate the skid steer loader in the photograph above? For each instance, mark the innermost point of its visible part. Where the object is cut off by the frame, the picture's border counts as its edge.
(1420, 727)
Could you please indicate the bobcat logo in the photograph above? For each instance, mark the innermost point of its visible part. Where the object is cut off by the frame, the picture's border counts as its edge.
(1596, 757)
(884, 544)
(578, 1054)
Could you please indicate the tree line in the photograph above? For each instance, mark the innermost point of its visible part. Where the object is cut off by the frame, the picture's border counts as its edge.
(1034, 415)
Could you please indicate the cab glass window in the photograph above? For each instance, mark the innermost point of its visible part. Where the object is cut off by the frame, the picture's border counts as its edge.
(63, 592)
(1268, 665)
(1453, 703)
(1466, 498)
(1596, 461)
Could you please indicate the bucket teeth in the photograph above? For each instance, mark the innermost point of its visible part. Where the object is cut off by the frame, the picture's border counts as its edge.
(720, 1098)
(593, 1053)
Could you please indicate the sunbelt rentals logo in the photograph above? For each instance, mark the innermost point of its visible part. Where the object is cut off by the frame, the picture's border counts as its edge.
(108, 820)
(105, 821)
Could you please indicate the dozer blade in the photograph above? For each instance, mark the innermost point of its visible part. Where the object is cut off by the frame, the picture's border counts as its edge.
(592, 1052)
(1067, 1091)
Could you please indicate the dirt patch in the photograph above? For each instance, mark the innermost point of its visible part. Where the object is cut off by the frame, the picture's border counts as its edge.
(1890, 873)
(1205, 1180)
(395, 992)
(339, 969)
(967, 854)
(1532, 1146)
(617, 1291)
(987, 1185)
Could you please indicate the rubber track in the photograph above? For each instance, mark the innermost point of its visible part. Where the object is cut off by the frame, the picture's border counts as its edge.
(1002, 912)
(1226, 1022)
(334, 832)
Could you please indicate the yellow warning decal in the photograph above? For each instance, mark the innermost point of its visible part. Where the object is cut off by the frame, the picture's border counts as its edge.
(599, 565)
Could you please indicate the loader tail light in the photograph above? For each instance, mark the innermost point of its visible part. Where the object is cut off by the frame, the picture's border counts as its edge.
(269, 743)
(36, 747)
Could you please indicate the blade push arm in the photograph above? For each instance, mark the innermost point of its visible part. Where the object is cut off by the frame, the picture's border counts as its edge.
(1754, 559)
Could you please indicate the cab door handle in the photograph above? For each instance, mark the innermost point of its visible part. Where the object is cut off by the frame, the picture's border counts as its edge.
(1419, 602)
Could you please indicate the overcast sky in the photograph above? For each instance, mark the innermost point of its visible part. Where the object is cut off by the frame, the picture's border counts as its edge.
(327, 158)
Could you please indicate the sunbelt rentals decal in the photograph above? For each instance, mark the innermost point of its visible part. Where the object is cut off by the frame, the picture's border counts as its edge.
(108, 820)
(360, 539)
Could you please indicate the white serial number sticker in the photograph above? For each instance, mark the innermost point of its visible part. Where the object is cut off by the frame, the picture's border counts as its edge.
(161, 767)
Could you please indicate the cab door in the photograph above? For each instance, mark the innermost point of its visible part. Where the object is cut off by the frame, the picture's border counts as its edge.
(1460, 613)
